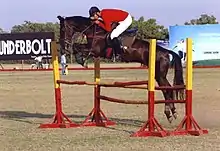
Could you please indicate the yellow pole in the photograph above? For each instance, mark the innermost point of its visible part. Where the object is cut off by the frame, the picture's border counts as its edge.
(152, 125)
(97, 92)
(55, 63)
(189, 66)
(189, 71)
(97, 70)
(60, 119)
(151, 83)
(152, 58)
(56, 76)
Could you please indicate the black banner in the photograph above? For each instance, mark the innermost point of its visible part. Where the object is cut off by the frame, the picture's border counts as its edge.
(24, 46)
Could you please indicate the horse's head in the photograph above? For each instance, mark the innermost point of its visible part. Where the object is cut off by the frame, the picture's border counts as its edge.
(70, 25)
(85, 27)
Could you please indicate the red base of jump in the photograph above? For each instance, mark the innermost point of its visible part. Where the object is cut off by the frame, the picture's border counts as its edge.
(64, 122)
(60, 119)
(192, 128)
(189, 125)
(183, 129)
(97, 118)
(151, 128)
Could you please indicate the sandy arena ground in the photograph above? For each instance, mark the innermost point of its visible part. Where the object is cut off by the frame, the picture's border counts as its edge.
(27, 100)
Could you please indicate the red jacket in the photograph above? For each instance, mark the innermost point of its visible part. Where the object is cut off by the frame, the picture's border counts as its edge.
(111, 15)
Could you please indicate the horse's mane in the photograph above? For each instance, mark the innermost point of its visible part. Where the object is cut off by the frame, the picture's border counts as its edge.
(77, 17)
(80, 19)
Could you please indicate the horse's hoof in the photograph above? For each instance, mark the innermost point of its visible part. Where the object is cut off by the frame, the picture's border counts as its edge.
(175, 115)
(168, 115)
(170, 119)
(85, 65)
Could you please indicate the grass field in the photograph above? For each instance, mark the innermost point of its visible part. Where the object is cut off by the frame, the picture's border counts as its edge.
(27, 100)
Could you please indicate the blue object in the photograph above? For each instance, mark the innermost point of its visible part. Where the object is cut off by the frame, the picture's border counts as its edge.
(132, 30)
(206, 45)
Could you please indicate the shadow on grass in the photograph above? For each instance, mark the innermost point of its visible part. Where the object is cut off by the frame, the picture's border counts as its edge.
(23, 116)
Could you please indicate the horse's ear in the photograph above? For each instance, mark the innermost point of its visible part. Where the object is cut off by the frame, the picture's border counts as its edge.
(60, 18)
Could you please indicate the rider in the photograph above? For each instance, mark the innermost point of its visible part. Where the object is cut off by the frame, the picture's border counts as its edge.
(108, 16)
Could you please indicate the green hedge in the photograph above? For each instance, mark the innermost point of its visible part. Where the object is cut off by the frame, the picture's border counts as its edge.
(213, 62)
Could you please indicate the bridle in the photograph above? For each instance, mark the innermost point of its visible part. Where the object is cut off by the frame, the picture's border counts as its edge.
(72, 30)
(70, 41)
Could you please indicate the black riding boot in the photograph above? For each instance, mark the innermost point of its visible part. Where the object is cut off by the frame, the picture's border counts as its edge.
(117, 48)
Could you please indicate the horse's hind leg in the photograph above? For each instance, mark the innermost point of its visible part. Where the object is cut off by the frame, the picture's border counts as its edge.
(160, 75)
(166, 94)
(172, 105)
(162, 82)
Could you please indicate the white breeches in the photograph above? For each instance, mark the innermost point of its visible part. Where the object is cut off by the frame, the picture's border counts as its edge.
(123, 25)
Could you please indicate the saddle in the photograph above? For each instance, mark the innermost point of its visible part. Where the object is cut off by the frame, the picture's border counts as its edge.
(128, 32)
(110, 48)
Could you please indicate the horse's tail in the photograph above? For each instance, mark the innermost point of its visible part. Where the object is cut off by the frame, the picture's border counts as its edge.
(178, 71)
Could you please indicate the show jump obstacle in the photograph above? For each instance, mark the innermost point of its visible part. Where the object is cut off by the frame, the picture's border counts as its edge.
(97, 118)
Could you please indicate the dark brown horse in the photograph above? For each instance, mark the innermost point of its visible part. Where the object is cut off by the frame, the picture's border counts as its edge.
(137, 51)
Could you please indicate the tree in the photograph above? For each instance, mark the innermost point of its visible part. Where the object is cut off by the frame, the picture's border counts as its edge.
(203, 19)
(28, 26)
(150, 29)
(2, 31)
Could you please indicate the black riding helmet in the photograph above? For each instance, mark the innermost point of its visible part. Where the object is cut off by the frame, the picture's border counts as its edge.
(93, 10)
